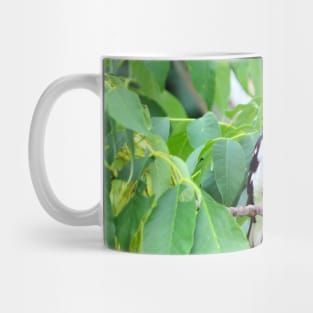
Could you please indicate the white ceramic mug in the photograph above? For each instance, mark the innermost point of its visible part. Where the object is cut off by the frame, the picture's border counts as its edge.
(182, 153)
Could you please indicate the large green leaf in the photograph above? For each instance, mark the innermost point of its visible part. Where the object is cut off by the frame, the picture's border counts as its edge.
(154, 107)
(202, 74)
(147, 83)
(159, 69)
(216, 229)
(125, 108)
(171, 105)
(178, 144)
(170, 227)
(229, 169)
(222, 85)
(129, 219)
(203, 129)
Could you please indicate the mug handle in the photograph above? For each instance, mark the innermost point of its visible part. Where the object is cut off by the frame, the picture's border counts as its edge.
(45, 194)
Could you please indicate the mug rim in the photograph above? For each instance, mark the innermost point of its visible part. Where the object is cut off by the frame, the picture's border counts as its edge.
(183, 56)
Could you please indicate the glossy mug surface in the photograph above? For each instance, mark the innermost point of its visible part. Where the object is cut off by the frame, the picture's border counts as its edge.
(182, 154)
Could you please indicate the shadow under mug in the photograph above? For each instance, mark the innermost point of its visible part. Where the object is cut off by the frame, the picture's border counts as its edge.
(182, 153)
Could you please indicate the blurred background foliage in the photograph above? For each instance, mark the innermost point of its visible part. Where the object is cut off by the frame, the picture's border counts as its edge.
(199, 85)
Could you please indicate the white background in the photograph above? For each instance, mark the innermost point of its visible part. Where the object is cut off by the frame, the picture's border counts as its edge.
(49, 267)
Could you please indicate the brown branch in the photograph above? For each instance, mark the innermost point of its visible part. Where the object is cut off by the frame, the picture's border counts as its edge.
(183, 73)
(247, 210)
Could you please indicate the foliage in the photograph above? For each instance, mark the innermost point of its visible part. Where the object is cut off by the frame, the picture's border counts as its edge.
(170, 176)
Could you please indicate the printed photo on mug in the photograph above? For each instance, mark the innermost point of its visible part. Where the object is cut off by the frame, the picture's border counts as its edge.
(182, 143)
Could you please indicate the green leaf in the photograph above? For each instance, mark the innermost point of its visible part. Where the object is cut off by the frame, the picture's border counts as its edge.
(229, 169)
(208, 183)
(157, 143)
(205, 161)
(249, 117)
(178, 144)
(216, 229)
(181, 166)
(125, 108)
(154, 107)
(202, 74)
(161, 127)
(179, 125)
(159, 69)
(121, 193)
(246, 115)
(203, 129)
(114, 141)
(193, 158)
(122, 157)
(147, 83)
(229, 131)
(139, 164)
(170, 227)
(222, 85)
(171, 105)
(160, 174)
(128, 221)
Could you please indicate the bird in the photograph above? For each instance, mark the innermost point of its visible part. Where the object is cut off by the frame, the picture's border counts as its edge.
(255, 193)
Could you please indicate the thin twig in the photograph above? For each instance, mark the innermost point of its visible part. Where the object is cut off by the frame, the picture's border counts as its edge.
(183, 73)
(247, 210)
